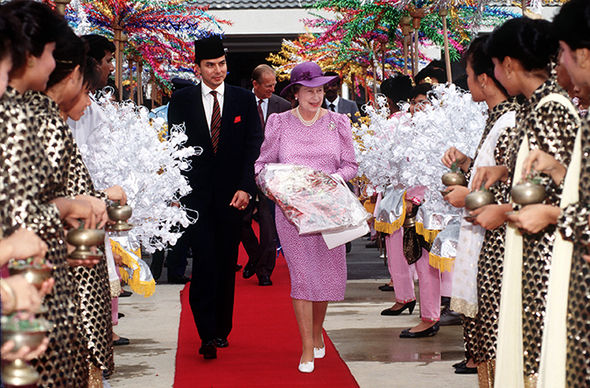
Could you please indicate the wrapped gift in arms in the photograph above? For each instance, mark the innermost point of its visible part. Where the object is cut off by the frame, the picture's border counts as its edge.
(312, 200)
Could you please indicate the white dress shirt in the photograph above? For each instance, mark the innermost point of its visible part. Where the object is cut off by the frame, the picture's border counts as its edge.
(208, 100)
(84, 128)
(335, 102)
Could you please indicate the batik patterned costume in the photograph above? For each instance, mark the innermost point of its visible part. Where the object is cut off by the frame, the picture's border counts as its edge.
(573, 225)
(551, 128)
(93, 283)
(489, 265)
(501, 135)
(28, 182)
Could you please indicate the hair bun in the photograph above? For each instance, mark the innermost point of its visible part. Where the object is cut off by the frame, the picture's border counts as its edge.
(530, 41)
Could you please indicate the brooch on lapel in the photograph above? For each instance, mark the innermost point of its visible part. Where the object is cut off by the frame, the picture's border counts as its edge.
(237, 119)
(332, 126)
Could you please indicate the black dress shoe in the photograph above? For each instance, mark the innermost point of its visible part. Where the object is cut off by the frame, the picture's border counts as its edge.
(264, 280)
(465, 370)
(248, 271)
(410, 306)
(419, 334)
(221, 342)
(386, 287)
(450, 318)
(125, 294)
(178, 279)
(121, 341)
(208, 350)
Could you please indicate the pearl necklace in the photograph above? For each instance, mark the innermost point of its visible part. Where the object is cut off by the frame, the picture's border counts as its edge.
(306, 122)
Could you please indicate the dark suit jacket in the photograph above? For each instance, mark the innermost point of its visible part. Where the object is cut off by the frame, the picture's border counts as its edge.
(277, 104)
(215, 177)
(347, 107)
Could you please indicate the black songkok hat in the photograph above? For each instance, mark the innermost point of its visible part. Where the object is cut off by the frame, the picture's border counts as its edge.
(209, 48)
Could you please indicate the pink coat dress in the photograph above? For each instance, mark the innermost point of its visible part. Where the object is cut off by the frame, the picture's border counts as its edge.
(317, 273)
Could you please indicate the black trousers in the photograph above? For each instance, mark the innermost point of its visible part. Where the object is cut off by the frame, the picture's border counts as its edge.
(262, 257)
(214, 240)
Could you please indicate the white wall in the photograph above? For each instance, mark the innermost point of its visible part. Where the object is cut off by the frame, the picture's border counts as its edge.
(265, 21)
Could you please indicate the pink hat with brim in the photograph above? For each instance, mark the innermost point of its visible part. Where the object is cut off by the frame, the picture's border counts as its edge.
(308, 74)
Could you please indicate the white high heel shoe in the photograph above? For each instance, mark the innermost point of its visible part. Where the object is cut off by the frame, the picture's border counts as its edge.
(319, 352)
(306, 367)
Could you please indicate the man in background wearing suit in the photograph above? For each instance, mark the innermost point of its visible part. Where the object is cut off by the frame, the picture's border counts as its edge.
(262, 256)
(337, 104)
(223, 121)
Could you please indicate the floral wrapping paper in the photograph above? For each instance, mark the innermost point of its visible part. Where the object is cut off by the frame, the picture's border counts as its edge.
(313, 201)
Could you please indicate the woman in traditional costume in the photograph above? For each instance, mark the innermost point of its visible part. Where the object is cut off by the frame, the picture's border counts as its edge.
(428, 276)
(478, 264)
(65, 86)
(30, 190)
(522, 51)
(311, 136)
(389, 219)
(565, 358)
(17, 293)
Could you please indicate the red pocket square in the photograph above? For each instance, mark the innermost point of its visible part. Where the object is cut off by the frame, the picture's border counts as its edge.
(237, 119)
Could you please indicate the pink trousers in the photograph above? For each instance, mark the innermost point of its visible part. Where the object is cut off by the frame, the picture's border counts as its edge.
(446, 284)
(115, 311)
(403, 281)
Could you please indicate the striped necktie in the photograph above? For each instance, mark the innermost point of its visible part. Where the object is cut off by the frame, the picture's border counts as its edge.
(215, 122)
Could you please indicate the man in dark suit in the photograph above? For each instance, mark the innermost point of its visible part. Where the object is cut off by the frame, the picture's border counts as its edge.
(222, 120)
(262, 256)
(337, 104)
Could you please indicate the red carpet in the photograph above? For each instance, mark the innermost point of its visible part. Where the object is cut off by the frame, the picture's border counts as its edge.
(264, 345)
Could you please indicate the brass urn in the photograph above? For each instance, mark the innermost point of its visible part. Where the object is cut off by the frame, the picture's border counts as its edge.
(34, 273)
(120, 214)
(24, 333)
(83, 240)
(477, 199)
(528, 193)
(454, 177)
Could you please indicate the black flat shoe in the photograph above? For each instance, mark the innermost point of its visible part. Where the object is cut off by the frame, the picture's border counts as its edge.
(121, 341)
(125, 294)
(221, 342)
(409, 306)
(208, 350)
(465, 370)
(386, 287)
(459, 364)
(120, 315)
(419, 334)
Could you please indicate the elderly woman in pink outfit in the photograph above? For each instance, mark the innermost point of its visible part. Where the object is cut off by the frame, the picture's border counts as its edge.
(311, 136)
